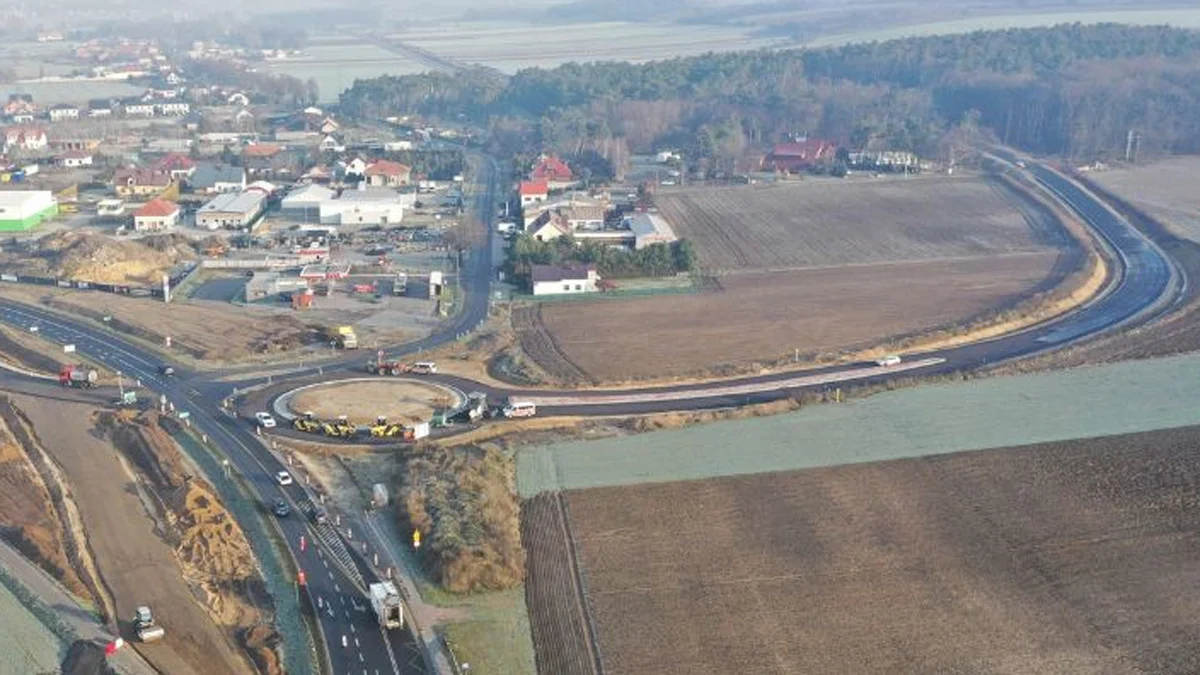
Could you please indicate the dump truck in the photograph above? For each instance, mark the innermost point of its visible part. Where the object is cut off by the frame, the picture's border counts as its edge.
(380, 367)
(73, 375)
(385, 600)
(344, 337)
(144, 626)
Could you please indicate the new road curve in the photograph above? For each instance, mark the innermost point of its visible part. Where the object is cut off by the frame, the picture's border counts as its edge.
(1143, 284)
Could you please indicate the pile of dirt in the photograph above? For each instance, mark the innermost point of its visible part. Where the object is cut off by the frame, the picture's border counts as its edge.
(211, 548)
(28, 517)
(100, 259)
(86, 658)
(464, 501)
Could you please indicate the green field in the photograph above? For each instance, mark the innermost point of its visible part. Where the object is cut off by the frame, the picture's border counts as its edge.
(987, 413)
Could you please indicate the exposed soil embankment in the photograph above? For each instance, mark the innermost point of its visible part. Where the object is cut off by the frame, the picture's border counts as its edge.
(41, 518)
(210, 546)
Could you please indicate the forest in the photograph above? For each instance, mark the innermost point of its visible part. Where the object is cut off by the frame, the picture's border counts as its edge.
(1070, 90)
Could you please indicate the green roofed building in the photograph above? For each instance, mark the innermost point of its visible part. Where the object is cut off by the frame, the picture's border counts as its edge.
(23, 209)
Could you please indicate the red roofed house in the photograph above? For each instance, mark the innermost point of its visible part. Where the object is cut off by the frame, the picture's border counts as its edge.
(25, 138)
(180, 166)
(262, 150)
(553, 172)
(800, 155)
(157, 214)
(532, 192)
(383, 173)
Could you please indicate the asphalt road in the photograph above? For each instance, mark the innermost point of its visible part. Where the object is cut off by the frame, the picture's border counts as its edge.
(1144, 285)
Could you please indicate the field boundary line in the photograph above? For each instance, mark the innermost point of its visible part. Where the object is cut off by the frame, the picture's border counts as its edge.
(579, 583)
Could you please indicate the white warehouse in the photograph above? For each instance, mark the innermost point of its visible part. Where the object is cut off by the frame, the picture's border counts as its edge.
(365, 207)
(231, 210)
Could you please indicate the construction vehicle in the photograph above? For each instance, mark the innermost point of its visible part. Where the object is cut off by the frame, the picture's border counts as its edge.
(344, 337)
(476, 406)
(74, 375)
(381, 428)
(306, 422)
(144, 626)
(381, 367)
(339, 428)
(385, 600)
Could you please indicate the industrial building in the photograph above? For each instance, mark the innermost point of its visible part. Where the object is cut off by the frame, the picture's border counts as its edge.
(23, 209)
(231, 210)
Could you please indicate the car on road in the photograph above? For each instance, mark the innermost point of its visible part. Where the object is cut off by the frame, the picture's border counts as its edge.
(166, 371)
(319, 517)
(283, 478)
(282, 509)
(265, 420)
(888, 361)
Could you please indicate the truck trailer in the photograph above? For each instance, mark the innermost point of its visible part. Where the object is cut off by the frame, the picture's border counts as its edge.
(385, 600)
(72, 375)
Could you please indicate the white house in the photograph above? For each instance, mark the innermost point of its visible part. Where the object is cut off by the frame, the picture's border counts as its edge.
(173, 108)
(533, 192)
(73, 159)
(156, 215)
(556, 279)
(365, 207)
(25, 138)
(136, 108)
(63, 111)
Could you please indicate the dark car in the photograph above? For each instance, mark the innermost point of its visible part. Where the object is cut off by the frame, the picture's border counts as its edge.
(319, 517)
(282, 509)
(166, 371)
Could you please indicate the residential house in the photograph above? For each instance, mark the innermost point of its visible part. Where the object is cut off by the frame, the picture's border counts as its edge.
(533, 192)
(156, 215)
(886, 159)
(74, 158)
(135, 107)
(231, 210)
(284, 165)
(99, 107)
(20, 108)
(74, 143)
(318, 174)
(173, 108)
(180, 166)
(384, 173)
(25, 138)
(559, 279)
(63, 112)
(329, 126)
(173, 78)
(356, 167)
(217, 178)
(799, 155)
(553, 172)
(549, 227)
(398, 146)
(331, 143)
(584, 216)
(140, 182)
(238, 98)
(243, 120)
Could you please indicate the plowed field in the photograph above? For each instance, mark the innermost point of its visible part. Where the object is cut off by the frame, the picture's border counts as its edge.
(815, 267)
(1075, 557)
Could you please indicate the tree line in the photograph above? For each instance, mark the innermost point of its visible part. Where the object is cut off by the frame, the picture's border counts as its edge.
(1071, 89)
(655, 260)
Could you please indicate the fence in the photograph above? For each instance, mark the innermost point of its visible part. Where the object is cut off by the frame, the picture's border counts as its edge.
(118, 289)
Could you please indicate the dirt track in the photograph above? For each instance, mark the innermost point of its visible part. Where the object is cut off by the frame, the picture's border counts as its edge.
(137, 567)
(1074, 557)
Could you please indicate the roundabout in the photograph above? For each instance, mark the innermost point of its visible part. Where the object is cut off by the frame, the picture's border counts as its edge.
(361, 401)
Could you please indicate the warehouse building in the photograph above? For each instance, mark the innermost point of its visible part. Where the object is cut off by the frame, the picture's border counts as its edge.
(231, 210)
(23, 209)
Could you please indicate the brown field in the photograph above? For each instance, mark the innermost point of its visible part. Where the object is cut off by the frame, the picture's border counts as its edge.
(822, 268)
(839, 223)
(1076, 557)
(765, 316)
(1165, 189)
(362, 402)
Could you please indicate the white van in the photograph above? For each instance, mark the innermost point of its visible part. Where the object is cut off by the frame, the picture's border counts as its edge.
(424, 367)
(520, 409)
(888, 361)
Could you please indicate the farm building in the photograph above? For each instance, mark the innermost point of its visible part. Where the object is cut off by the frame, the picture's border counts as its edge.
(23, 209)
(558, 279)
(231, 210)
(156, 215)
(799, 155)
(74, 158)
(649, 228)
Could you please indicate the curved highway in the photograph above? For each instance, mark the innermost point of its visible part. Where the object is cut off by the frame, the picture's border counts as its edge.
(1144, 283)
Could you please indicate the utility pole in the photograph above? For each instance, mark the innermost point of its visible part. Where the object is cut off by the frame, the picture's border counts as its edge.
(1133, 141)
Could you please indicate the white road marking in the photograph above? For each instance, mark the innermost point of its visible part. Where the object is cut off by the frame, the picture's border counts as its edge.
(360, 658)
(356, 643)
(352, 628)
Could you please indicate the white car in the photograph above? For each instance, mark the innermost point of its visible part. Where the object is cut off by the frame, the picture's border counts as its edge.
(265, 420)
(284, 478)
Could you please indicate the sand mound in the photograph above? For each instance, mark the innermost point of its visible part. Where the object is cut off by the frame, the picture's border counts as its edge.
(101, 259)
